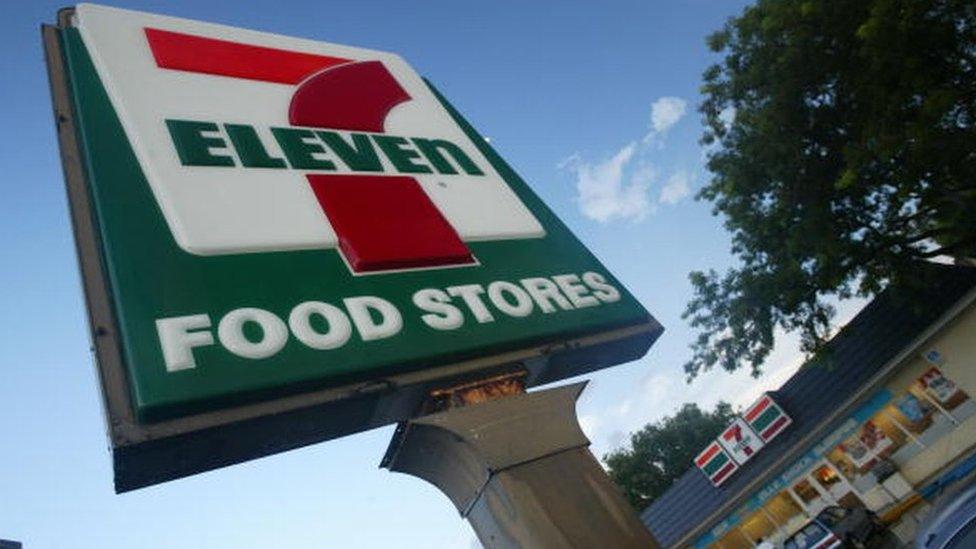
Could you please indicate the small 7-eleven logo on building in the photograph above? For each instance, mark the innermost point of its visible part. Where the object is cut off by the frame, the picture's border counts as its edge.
(283, 144)
(739, 440)
(735, 438)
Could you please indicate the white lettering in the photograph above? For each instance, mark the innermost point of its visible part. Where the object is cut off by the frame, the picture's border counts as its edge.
(230, 331)
(603, 291)
(523, 303)
(323, 326)
(576, 292)
(339, 331)
(178, 341)
(359, 308)
(469, 293)
(443, 315)
(543, 292)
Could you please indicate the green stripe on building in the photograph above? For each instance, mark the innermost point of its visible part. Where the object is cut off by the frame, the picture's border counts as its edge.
(716, 463)
(766, 418)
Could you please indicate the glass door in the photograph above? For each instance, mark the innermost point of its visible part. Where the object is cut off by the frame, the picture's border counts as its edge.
(835, 485)
(810, 496)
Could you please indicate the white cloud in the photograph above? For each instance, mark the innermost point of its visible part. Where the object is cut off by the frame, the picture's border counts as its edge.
(666, 112)
(602, 193)
(619, 187)
(676, 188)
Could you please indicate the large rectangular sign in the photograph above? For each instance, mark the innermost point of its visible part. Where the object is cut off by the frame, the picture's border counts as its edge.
(285, 240)
(742, 439)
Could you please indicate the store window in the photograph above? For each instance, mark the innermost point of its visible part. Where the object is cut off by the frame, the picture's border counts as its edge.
(871, 456)
(869, 444)
(867, 459)
(916, 412)
(784, 510)
(813, 500)
(774, 521)
(735, 538)
(760, 526)
(942, 389)
(838, 489)
(928, 410)
(827, 478)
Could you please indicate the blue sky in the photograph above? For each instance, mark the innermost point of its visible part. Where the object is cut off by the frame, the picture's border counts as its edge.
(594, 104)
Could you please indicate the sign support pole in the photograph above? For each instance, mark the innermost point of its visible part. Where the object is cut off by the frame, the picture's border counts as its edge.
(517, 466)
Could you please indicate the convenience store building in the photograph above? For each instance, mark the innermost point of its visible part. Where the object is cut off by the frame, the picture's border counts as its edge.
(886, 421)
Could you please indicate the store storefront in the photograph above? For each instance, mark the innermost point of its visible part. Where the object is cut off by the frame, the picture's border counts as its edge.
(887, 421)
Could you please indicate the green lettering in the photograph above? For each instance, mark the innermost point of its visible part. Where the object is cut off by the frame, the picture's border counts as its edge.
(250, 149)
(360, 156)
(398, 151)
(193, 147)
(299, 151)
(432, 150)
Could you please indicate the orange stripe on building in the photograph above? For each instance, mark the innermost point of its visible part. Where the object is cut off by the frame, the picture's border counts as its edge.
(707, 455)
(759, 408)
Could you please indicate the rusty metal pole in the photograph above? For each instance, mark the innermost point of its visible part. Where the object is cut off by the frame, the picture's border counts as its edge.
(518, 467)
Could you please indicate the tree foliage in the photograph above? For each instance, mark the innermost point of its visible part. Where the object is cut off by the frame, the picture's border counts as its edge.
(843, 151)
(661, 452)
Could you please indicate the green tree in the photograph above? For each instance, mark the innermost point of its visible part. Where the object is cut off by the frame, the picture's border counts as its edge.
(661, 452)
(842, 151)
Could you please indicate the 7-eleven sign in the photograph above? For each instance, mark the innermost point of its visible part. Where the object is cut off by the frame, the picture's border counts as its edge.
(301, 238)
(259, 143)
